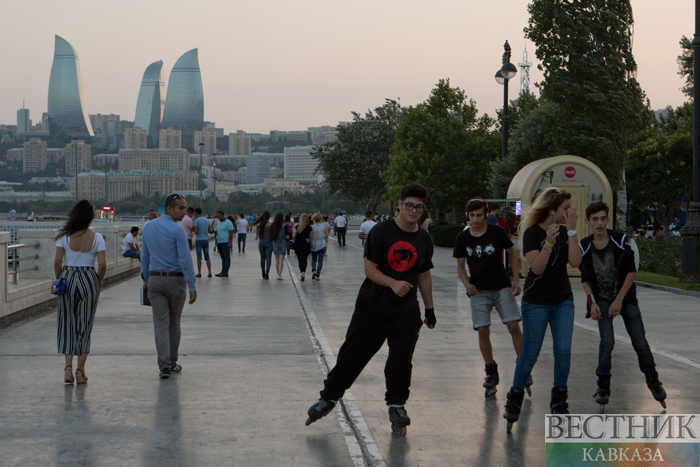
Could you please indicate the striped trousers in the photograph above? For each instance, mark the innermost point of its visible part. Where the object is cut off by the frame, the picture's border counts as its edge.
(76, 309)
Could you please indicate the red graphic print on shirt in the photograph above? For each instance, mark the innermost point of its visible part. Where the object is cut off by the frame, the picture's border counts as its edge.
(402, 256)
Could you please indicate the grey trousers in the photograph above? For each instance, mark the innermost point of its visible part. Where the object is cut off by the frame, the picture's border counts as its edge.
(167, 296)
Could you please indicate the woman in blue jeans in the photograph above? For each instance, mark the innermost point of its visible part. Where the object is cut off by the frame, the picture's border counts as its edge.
(547, 299)
(264, 243)
(319, 241)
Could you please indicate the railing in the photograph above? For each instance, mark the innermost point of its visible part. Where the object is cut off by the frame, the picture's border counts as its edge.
(15, 260)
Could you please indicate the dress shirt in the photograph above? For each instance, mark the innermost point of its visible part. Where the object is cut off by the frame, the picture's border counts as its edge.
(164, 248)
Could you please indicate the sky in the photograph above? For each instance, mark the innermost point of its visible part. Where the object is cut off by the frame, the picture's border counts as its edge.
(291, 64)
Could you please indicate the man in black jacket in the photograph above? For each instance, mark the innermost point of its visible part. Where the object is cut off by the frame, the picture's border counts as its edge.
(608, 273)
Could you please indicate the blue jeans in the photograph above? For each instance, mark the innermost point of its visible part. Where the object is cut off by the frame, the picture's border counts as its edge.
(632, 318)
(317, 257)
(242, 236)
(202, 246)
(535, 320)
(265, 249)
(132, 254)
(225, 254)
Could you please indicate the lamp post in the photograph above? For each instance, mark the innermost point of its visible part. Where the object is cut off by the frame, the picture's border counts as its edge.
(505, 74)
(213, 158)
(691, 229)
(105, 150)
(201, 146)
(75, 151)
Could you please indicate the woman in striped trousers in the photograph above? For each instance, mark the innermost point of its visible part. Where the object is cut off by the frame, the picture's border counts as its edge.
(77, 247)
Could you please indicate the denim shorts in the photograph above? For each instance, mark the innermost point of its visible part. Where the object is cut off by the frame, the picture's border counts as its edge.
(483, 302)
(202, 245)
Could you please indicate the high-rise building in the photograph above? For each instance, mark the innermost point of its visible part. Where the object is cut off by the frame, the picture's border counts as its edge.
(80, 154)
(66, 106)
(171, 160)
(208, 140)
(24, 124)
(35, 155)
(239, 143)
(170, 138)
(184, 108)
(299, 165)
(257, 168)
(135, 138)
(151, 101)
(211, 126)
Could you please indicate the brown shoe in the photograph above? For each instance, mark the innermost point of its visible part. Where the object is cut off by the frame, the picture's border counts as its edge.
(80, 376)
(68, 375)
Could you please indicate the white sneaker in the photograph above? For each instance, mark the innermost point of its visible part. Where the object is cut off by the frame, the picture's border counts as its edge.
(280, 278)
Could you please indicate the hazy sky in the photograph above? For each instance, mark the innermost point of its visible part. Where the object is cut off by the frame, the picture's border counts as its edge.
(291, 64)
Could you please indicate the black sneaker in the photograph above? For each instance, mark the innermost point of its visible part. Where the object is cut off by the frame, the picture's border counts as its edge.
(176, 368)
(198, 275)
(164, 373)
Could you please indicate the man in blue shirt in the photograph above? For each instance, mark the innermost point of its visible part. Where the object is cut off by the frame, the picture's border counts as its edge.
(167, 271)
(201, 229)
(224, 242)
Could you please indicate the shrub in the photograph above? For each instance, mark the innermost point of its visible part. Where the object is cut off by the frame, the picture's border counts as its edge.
(661, 255)
(444, 235)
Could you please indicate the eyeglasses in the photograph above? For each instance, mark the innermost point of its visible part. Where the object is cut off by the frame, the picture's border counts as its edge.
(558, 192)
(413, 207)
(177, 196)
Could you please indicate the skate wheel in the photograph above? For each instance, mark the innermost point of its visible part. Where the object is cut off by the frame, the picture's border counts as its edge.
(489, 393)
(309, 421)
(399, 430)
(529, 391)
(663, 404)
(602, 408)
(509, 427)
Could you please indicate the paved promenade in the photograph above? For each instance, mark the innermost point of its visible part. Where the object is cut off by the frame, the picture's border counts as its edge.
(252, 354)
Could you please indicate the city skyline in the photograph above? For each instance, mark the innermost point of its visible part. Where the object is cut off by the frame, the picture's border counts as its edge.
(294, 66)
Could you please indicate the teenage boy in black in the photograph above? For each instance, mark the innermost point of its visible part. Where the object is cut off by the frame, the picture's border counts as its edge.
(398, 260)
(608, 273)
(481, 246)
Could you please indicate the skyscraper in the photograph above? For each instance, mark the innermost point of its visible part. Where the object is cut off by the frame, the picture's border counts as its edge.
(184, 108)
(66, 106)
(24, 123)
(149, 107)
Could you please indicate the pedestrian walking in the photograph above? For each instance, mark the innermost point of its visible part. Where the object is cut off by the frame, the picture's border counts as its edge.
(547, 296)
(264, 243)
(341, 224)
(302, 246)
(608, 273)
(167, 272)
(279, 243)
(187, 223)
(242, 223)
(481, 247)
(77, 247)
(288, 229)
(201, 230)
(366, 226)
(398, 259)
(130, 248)
(224, 242)
(319, 245)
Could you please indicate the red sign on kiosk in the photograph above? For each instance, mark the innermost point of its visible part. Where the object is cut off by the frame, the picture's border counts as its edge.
(570, 172)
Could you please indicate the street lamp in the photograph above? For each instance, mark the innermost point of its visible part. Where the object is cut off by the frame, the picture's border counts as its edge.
(75, 151)
(201, 146)
(213, 158)
(105, 150)
(691, 229)
(505, 74)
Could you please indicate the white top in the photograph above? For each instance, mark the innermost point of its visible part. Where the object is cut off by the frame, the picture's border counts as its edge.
(77, 259)
(341, 221)
(366, 227)
(242, 225)
(125, 243)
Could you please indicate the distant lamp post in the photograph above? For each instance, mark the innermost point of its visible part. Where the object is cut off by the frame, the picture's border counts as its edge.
(105, 149)
(201, 147)
(75, 150)
(691, 229)
(213, 158)
(505, 74)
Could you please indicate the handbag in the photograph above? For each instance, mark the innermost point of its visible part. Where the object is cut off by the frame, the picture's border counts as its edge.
(59, 286)
(290, 244)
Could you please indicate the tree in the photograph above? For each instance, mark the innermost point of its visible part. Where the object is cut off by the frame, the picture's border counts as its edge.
(589, 72)
(685, 65)
(443, 145)
(353, 162)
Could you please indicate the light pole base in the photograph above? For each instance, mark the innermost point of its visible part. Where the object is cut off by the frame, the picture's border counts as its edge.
(690, 233)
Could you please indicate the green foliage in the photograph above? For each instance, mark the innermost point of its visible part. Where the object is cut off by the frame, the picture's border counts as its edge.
(445, 235)
(661, 255)
(443, 145)
(685, 65)
(352, 164)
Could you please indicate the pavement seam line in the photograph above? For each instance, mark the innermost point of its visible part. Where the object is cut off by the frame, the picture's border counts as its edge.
(361, 445)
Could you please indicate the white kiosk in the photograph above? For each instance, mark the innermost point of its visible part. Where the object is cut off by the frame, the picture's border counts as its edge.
(576, 175)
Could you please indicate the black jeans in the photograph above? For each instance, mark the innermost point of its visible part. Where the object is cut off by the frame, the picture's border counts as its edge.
(366, 335)
(632, 318)
(303, 257)
(225, 254)
(341, 235)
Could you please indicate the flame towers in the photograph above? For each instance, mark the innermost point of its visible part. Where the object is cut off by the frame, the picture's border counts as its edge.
(66, 106)
(149, 107)
(184, 108)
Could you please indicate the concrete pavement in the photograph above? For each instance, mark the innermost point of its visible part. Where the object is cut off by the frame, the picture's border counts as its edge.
(250, 371)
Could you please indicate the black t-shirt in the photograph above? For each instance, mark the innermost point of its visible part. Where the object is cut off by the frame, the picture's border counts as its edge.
(605, 271)
(484, 256)
(400, 255)
(551, 287)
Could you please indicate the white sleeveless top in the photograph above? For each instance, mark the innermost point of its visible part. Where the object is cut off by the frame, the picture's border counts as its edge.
(86, 258)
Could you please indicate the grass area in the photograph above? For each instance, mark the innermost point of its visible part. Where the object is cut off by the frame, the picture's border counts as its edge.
(666, 281)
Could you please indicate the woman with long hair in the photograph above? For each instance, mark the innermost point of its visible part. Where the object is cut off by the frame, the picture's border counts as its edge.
(76, 249)
(264, 243)
(319, 243)
(302, 235)
(547, 299)
(279, 244)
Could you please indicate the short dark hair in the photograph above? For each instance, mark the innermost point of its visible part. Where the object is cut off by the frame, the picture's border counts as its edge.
(241, 214)
(476, 204)
(597, 207)
(414, 190)
(369, 214)
(493, 206)
(171, 199)
(220, 212)
(134, 229)
(190, 209)
(198, 211)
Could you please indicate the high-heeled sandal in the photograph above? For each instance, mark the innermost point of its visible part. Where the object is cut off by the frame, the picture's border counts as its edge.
(68, 375)
(80, 376)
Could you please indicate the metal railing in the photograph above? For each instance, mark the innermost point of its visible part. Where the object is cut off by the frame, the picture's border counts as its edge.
(14, 260)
